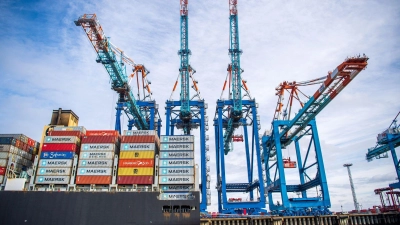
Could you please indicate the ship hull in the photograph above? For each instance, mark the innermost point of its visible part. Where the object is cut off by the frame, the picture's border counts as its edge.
(86, 208)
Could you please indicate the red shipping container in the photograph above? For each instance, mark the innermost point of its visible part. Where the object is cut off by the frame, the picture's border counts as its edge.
(136, 163)
(139, 139)
(93, 180)
(76, 133)
(135, 180)
(98, 139)
(113, 133)
(22, 146)
(31, 142)
(59, 148)
(2, 171)
(25, 147)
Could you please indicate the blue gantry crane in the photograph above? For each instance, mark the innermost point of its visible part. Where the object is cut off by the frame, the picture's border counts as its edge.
(189, 113)
(238, 111)
(388, 140)
(142, 111)
(287, 129)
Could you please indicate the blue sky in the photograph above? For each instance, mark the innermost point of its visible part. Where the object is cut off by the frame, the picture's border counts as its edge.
(46, 62)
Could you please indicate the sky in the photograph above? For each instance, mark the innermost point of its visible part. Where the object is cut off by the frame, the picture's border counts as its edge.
(46, 63)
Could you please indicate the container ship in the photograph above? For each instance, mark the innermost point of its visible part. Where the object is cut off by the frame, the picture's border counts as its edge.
(80, 176)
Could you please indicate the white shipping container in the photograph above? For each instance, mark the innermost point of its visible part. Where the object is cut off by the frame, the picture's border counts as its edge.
(176, 171)
(14, 149)
(4, 155)
(14, 157)
(52, 179)
(5, 148)
(80, 128)
(98, 147)
(55, 163)
(177, 187)
(177, 196)
(177, 163)
(177, 139)
(94, 171)
(96, 155)
(176, 179)
(177, 147)
(138, 146)
(3, 162)
(139, 132)
(177, 155)
(61, 139)
(54, 171)
(96, 163)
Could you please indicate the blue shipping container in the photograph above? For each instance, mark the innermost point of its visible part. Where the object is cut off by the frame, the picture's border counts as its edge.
(57, 155)
(7, 141)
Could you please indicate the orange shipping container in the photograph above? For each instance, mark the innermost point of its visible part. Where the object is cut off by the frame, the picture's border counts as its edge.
(136, 155)
(136, 163)
(93, 179)
(18, 143)
(141, 139)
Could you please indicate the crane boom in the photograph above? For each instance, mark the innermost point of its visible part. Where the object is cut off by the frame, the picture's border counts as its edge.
(235, 52)
(234, 74)
(106, 55)
(334, 83)
(184, 69)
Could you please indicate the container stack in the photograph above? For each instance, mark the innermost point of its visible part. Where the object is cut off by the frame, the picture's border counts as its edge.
(97, 156)
(57, 155)
(176, 172)
(136, 159)
(19, 149)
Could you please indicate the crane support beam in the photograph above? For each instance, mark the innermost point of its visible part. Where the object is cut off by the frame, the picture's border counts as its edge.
(106, 55)
(276, 179)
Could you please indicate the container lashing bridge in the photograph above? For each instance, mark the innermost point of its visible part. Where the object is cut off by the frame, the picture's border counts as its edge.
(142, 110)
(238, 111)
(287, 129)
(388, 140)
(189, 113)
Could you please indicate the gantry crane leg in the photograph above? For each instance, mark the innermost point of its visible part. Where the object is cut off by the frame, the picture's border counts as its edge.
(251, 204)
(199, 120)
(304, 205)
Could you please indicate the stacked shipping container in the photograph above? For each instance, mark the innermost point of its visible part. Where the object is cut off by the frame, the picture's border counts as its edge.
(18, 148)
(57, 155)
(177, 172)
(136, 159)
(97, 156)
